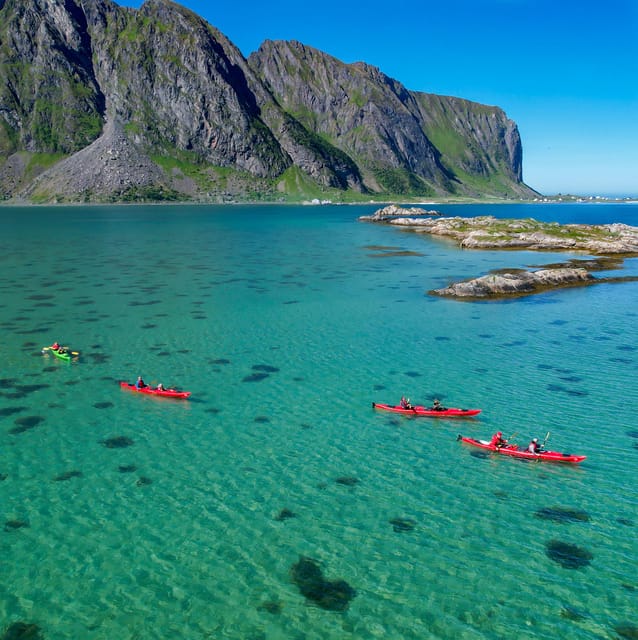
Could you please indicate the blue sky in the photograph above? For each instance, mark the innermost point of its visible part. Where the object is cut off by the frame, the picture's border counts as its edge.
(565, 71)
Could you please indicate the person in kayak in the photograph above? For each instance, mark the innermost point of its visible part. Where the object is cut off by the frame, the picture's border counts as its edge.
(405, 403)
(140, 384)
(160, 387)
(437, 406)
(55, 346)
(534, 447)
(498, 440)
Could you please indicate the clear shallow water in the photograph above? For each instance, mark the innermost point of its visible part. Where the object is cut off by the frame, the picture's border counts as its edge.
(286, 324)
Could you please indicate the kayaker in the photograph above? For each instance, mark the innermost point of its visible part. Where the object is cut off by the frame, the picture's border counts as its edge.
(405, 403)
(160, 387)
(534, 447)
(140, 384)
(437, 406)
(55, 346)
(498, 440)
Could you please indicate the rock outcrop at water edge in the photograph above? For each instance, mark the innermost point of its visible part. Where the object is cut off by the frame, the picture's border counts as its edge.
(392, 212)
(612, 242)
(488, 232)
(516, 283)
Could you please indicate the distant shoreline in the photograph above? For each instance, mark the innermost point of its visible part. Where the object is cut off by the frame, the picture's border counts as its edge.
(563, 200)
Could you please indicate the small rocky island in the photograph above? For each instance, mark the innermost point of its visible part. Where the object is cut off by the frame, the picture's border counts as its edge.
(610, 242)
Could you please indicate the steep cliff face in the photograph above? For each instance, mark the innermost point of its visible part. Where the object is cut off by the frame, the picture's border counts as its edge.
(430, 142)
(102, 102)
(176, 82)
(473, 138)
(50, 100)
(357, 108)
(194, 91)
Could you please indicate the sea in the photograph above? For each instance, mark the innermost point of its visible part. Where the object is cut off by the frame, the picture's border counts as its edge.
(276, 502)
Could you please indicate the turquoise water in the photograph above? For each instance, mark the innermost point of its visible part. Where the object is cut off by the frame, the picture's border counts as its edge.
(286, 323)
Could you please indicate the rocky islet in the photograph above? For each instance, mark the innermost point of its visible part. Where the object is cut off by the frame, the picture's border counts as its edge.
(612, 241)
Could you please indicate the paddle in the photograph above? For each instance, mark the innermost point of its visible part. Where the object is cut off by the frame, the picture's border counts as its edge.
(544, 441)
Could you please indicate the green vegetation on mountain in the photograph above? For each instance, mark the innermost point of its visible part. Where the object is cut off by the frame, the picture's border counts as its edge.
(105, 103)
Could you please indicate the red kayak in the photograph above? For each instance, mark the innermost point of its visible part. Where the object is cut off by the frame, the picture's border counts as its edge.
(164, 393)
(447, 412)
(514, 451)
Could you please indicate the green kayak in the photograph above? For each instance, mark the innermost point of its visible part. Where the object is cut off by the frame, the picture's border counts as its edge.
(61, 353)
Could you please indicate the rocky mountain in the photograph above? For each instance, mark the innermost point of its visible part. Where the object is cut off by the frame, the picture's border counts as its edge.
(402, 141)
(104, 103)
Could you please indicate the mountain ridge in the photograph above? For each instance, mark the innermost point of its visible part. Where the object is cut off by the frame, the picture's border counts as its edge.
(105, 103)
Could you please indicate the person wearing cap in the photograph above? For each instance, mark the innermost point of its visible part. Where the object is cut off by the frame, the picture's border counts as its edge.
(534, 447)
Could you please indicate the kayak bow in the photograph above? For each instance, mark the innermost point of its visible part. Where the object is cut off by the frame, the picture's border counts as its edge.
(513, 451)
(164, 393)
(448, 412)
